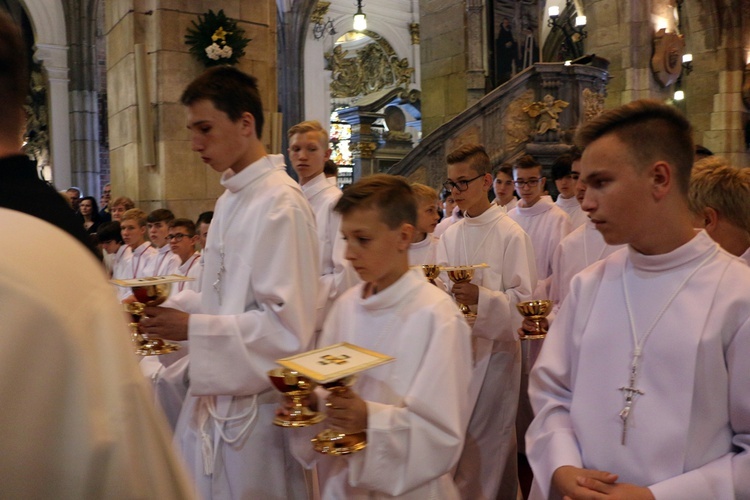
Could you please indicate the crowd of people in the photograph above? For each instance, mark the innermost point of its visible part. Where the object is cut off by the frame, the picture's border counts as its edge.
(638, 391)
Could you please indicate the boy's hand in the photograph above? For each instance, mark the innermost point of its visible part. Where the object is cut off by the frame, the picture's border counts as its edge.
(165, 322)
(528, 327)
(466, 293)
(346, 411)
(589, 484)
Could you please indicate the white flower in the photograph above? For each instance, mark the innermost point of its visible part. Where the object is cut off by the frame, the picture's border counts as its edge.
(226, 52)
(214, 52)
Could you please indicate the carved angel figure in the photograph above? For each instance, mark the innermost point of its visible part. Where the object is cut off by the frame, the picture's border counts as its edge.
(547, 112)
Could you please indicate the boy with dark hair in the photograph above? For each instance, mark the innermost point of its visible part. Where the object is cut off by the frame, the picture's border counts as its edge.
(109, 235)
(165, 261)
(503, 187)
(451, 213)
(639, 390)
(488, 464)
(257, 302)
(308, 152)
(565, 172)
(182, 239)
(414, 409)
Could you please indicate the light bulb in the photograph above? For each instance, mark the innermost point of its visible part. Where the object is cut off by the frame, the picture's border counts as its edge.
(580, 20)
(679, 95)
(553, 11)
(360, 22)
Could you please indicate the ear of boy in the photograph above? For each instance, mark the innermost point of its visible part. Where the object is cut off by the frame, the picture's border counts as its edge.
(406, 233)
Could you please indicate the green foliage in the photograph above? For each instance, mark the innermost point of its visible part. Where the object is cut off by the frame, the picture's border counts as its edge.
(216, 39)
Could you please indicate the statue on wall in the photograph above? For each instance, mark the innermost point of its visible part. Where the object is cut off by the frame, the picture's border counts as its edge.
(546, 112)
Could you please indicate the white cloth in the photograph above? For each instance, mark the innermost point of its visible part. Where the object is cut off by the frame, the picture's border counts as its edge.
(573, 209)
(688, 435)
(122, 269)
(746, 256)
(191, 268)
(546, 224)
(77, 419)
(423, 252)
(513, 203)
(417, 405)
(165, 262)
(142, 261)
(488, 463)
(262, 309)
(337, 273)
(447, 222)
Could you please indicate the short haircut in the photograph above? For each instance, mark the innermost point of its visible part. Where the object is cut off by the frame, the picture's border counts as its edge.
(160, 215)
(505, 168)
(701, 150)
(445, 194)
(475, 154)
(652, 131)
(205, 218)
(424, 193)
(390, 195)
(14, 76)
(123, 201)
(186, 223)
(562, 166)
(722, 187)
(230, 90)
(526, 161)
(109, 231)
(74, 189)
(330, 169)
(135, 214)
(310, 126)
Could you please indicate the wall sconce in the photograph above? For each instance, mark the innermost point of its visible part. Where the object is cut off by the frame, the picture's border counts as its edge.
(360, 19)
(322, 29)
(687, 63)
(573, 28)
(667, 61)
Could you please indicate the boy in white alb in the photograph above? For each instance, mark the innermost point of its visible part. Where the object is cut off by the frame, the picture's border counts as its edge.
(308, 152)
(414, 409)
(182, 239)
(423, 248)
(565, 172)
(640, 389)
(503, 187)
(451, 213)
(110, 238)
(544, 222)
(488, 466)
(720, 199)
(157, 223)
(256, 304)
(133, 229)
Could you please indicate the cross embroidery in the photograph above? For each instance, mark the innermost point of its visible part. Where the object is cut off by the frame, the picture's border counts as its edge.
(329, 358)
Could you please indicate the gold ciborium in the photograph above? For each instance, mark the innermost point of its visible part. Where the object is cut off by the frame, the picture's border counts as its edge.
(535, 310)
(462, 274)
(149, 295)
(431, 272)
(295, 388)
(333, 442)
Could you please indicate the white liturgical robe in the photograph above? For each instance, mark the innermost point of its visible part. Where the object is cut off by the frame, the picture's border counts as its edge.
(573, 209)
(165, 262)
(488, 462)
(337, 273)
(78, 419)
(423, 252)
(417, 405)
(122, 269)
(142, 261)
(746, 256)
(688, 432)
(546, 224)
(257, 304)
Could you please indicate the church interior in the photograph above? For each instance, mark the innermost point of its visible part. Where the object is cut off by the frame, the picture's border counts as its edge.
(419, 78)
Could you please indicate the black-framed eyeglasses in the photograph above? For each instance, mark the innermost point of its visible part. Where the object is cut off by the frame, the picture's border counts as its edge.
(530, 183)
(461, 185)
(177, 237)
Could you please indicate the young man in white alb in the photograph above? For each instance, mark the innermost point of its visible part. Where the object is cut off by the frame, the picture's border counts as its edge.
(565, 171)
(110, 239)
(486, 235)
(720, 199)
(640, 389)
(157, 224)
(423, 248)
(256, 304)
(133, 229)
(451, 213)
(308, 152)
(503, 187)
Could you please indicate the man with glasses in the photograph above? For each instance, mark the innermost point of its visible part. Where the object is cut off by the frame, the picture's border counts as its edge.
(487, 467)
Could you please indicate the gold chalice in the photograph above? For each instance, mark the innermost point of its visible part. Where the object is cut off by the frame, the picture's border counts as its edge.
(431, 272)
(462, 274)
(333, 442)
(149, 295)
(535, 310)
(295, 388)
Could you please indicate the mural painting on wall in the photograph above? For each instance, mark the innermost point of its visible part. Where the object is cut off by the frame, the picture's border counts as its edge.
(513, 37)
(372, 67)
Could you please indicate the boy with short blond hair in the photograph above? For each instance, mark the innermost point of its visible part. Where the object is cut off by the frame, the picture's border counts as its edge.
(488, 465)
(719, 196)
(308, 152)
(414, 409)
(133, 229)
(121, 205)
(423, 248)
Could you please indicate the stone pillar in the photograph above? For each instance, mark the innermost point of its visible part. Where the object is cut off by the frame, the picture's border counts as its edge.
(54, 58)
(363, 142)
(179, 181)
(475, 44)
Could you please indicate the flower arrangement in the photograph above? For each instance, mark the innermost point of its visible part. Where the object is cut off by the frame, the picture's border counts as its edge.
(216, 39)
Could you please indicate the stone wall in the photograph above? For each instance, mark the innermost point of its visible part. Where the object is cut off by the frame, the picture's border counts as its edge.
(179, 181)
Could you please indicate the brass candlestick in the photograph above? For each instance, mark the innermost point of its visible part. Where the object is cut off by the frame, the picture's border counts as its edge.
(535, 310)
